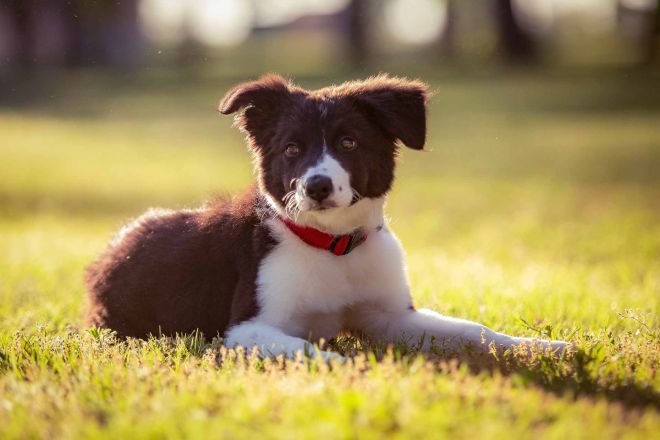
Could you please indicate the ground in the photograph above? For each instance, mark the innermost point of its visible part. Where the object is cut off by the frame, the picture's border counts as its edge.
(535, 210)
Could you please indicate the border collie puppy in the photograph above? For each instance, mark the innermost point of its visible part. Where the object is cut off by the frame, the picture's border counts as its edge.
(304, 254)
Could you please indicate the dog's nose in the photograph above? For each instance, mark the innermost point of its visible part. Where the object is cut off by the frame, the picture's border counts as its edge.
(318, 187)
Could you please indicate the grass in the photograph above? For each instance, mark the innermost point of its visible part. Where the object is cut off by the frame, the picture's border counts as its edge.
(536, 212)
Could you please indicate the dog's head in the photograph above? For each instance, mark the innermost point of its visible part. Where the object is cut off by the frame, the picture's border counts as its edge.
(320, 153)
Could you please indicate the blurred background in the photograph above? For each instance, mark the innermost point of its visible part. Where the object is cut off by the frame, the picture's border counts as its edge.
(541, 177)
(323, 36)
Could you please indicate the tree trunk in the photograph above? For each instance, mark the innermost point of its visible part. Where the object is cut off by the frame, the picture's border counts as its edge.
(650, 39)
(357, 32)
(23, 13)
(447, 46)
(515, 44)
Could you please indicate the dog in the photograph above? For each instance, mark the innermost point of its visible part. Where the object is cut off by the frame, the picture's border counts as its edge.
(306, 252)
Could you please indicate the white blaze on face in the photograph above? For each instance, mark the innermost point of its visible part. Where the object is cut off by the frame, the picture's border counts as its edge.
(341, 194)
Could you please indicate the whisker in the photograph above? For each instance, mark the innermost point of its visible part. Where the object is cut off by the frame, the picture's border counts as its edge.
(288, 196)
(291, 208)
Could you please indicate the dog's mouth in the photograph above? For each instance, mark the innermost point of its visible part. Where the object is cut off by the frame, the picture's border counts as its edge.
(295, 202)
(295, 205)
(321, 206)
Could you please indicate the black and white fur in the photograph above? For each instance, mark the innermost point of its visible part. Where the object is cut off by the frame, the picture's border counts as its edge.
(237, 270)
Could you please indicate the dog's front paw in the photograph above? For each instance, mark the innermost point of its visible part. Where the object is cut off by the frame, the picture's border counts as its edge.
(562, 347)
(555, 348)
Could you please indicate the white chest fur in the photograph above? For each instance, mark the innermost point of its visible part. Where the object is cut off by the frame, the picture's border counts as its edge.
(305, 291)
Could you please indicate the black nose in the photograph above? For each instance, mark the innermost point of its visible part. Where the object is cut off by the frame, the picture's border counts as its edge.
(318, 187)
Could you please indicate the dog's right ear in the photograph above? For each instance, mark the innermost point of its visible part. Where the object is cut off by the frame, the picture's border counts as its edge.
(268, 90)
(258, 102)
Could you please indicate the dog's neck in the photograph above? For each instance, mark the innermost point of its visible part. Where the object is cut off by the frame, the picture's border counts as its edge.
(337, 244)
(366, 215)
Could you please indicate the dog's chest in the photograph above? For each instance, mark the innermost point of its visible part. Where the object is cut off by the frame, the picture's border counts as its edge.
(307, 290)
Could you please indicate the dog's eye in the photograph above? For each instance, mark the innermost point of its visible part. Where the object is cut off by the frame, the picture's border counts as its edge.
(348, 143)
(292, 149)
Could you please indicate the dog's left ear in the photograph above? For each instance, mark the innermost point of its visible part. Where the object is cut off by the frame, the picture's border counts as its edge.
(396, 105)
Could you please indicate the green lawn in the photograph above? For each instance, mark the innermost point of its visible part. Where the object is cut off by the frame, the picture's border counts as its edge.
(536, 211)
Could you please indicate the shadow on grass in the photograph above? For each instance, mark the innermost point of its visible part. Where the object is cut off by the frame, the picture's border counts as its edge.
(593, 368)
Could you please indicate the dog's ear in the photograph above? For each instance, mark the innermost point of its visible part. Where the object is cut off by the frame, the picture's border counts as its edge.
(266, 91)
(258, 102)
(396, 105)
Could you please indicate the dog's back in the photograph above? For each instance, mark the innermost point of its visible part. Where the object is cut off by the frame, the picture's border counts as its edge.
(177, 271)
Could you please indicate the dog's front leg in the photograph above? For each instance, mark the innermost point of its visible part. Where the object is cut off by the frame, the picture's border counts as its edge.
(434, 329)
(271, 341)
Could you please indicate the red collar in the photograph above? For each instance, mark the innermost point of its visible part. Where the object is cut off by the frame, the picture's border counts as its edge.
(337, 244)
